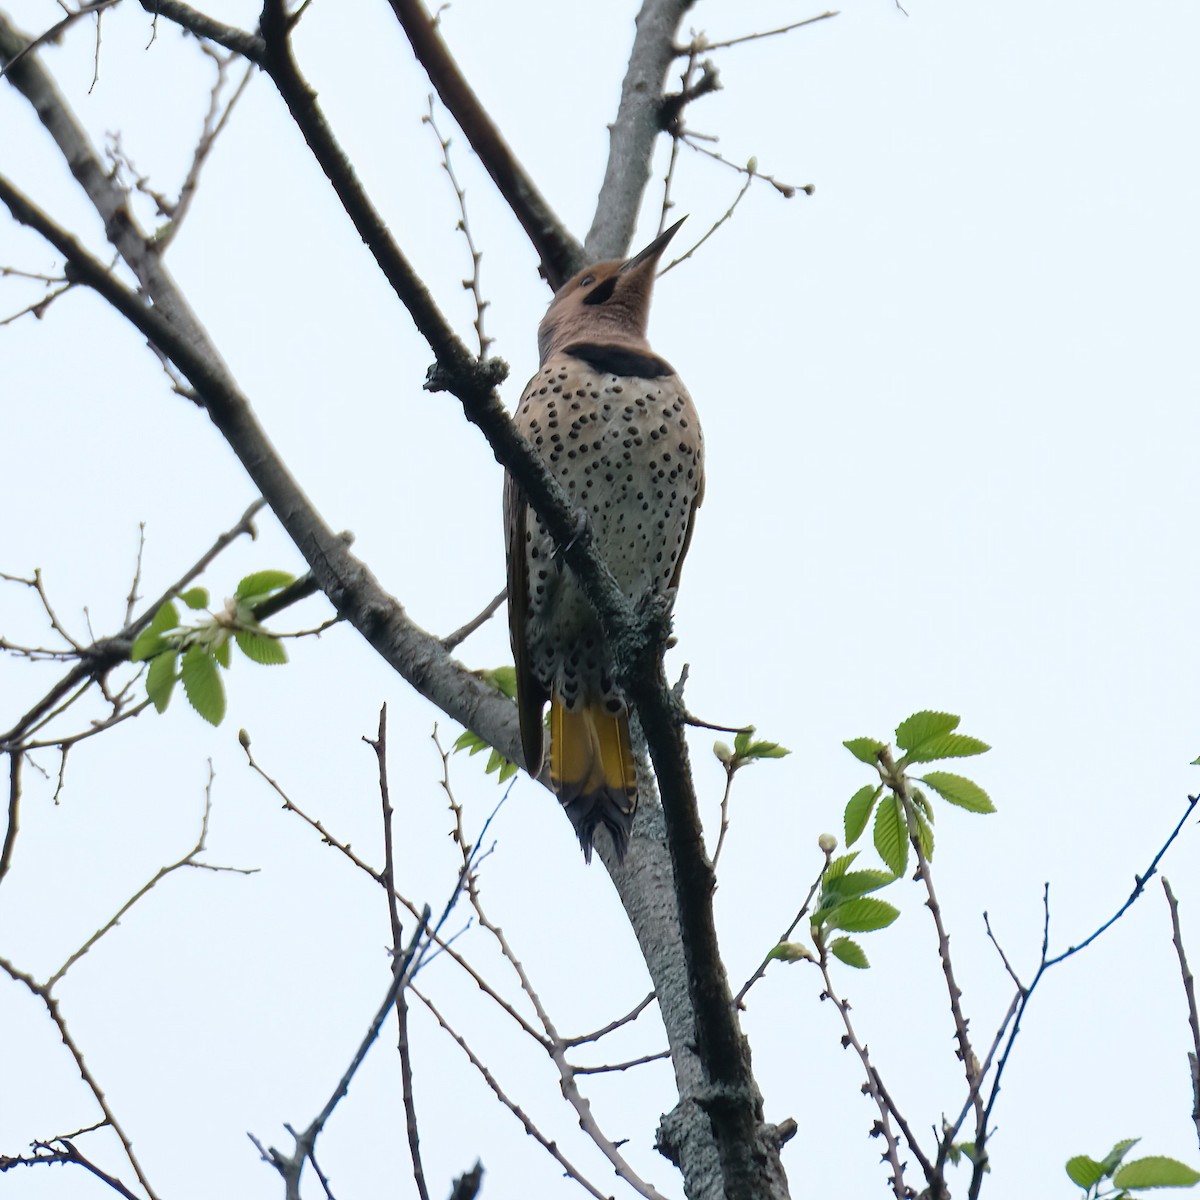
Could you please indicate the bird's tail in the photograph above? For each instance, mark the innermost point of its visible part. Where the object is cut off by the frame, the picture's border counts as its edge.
(591, 767)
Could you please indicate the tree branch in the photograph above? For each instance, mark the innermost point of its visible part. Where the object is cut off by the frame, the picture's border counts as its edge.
(561, 254)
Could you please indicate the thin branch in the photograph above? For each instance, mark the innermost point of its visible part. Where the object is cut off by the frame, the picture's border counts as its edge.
(621, 1066)
(750, 176)
(472, 285)
(530, 1128)
(250, 46)
(787, 190)
(15, 758)
(56, 31)
(560, 253)
(133, 597)
(190, 859)
(873, 1087)
(460, 635)
(761, 970)
(1189, 990)
(43, 993)
(379, 745)
(766, 33)
(612, 1026)
(730, 771)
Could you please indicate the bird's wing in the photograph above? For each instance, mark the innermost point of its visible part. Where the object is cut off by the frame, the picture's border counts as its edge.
(531, 696)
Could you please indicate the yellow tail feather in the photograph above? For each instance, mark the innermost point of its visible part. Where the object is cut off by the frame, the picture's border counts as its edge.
(592, 769)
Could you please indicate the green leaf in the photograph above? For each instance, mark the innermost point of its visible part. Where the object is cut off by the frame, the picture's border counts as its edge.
(507, 771)
(790, 952)
(202, 684)
(838, 867)
(1154, 1172)
(150, 641)
(261, 647)
(891, 834)
(924, 834)
(222, 650)
(863, 915)
(160, 679)
(503, 679)
(765, 750)
(859, 883)
(850, 952)
(963, 792)
(196, 597)
(1084, 1172)
(262, 583)
(858, 811)
(947, 745)
(865, 749)
(741, 742)
(922, 726)
(1112, 1160)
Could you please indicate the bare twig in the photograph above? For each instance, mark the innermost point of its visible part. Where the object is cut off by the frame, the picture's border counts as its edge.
(705, 44)
(1189, 990)
(133, 597)
(761, 970)
(15, 758)
(560, 253)
(873, 1087)
(787, 190)
(621, 1066)
(750, 176)
(460, 635)
(56, 31)
(730, 771)
(190, 859)
(464, 224)
(530, 1128)
(612, 1026)
(379, 745)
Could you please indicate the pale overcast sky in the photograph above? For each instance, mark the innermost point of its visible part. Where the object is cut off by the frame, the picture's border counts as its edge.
(951, 419)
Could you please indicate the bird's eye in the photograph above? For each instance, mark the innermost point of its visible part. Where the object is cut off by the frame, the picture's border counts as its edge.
(587, 281)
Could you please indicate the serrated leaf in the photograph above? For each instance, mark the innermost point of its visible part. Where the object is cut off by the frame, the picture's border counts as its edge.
(838, 867)
(862, 915)
(924, 834)
(196, 597)
(790, 952)
(849, 952)
(160, 679)
(262, 583)
(465, 739)
(859, 883)
(261, 647)
(964, 793)
(1155, 1172)
(947, 745)
(891, 834)
(1112, 1160)
(922, 726)
(150, 641)
(507, 771)
(202, 684)
(865, 749)
(1084, 1172)
(222, 651)
(921, 801)
(858, 811)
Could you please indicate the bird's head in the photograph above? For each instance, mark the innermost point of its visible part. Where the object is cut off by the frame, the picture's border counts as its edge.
(608, 302)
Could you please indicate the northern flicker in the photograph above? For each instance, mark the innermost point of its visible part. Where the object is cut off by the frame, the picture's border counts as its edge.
(618, 430)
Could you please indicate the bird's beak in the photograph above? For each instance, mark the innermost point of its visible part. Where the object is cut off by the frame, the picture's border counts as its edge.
(652, 252)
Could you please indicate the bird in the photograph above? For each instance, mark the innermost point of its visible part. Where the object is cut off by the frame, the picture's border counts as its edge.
(617, 429)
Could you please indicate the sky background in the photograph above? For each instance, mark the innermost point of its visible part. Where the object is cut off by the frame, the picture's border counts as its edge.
(951, 421)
